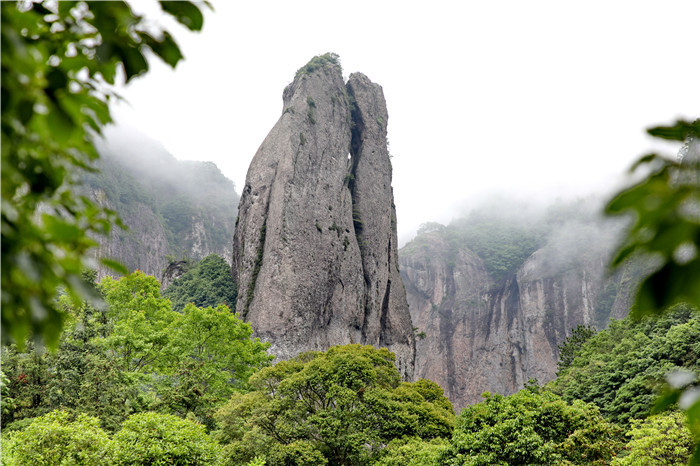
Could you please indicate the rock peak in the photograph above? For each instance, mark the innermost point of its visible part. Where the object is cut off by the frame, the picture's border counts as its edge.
(315, 252)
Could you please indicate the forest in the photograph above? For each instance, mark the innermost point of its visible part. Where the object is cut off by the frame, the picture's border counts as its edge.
(145, 382)
(118, 371)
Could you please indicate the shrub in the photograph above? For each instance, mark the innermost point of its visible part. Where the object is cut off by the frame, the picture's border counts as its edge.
(159, 439)
(59, 438)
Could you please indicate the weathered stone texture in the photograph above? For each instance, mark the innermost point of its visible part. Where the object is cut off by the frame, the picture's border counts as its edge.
(314, 252)
(485, 336)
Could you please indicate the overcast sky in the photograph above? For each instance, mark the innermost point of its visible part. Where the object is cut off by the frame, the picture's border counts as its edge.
(538, 99)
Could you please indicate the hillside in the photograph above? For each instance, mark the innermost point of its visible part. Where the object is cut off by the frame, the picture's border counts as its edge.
(493, 294)
(172, 209)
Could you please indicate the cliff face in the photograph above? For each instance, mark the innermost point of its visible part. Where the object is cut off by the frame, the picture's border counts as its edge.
(314, 251)
(171, 208)
(482, 335)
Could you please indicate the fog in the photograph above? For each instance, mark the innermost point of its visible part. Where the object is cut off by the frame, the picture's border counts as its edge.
(565, 232)
(149, 161)
(532, 100)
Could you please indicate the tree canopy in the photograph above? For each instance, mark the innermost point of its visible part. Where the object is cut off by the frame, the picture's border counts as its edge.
(341, 406)
(208, 283)
(137, 355)
(531, 427)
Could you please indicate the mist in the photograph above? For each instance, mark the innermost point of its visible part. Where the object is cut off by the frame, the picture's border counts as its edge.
(565, 233)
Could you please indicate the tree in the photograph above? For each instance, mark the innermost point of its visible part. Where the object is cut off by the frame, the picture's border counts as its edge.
(345, 404)
(666, 204)
(531, 427)
(412, 452)
(59, 61)
(142, 322)
(80, 376)
(661, 439)
(207, 284)
(60, 438)
(213, 355)
(152, 438)
(572, 345)
(621, 369)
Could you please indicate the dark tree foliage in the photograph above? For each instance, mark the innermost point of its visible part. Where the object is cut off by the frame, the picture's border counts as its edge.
(572, 345)
(207, 284)
(79, 376)
(621, 369)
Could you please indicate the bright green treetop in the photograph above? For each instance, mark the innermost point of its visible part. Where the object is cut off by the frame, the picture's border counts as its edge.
(343, 405)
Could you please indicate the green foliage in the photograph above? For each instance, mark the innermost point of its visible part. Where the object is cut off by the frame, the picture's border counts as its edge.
(345, 404)
(59, 438)
(212, 355)
(198, 358)
(207, 284)
(572, 345)
(80, 376)
(58, 60)
(412, 452)
(621, 369)
(139, 354)
(142, 322)
(183, 196)
(310, 113)
(661, 439)
(160, 439)
(666, 205)
(318, 62)
(6, 401)
(530, 427)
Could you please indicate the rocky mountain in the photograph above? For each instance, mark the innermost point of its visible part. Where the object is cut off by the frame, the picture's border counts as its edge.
(172, 209)
(493, 319)
(315, 249)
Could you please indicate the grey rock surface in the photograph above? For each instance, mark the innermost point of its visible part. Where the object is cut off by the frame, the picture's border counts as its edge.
(314, 250)
(482, 335)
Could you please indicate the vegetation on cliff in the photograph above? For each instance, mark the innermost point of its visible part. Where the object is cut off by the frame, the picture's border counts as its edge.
(193, 203)
(206, 284)
(504, 233)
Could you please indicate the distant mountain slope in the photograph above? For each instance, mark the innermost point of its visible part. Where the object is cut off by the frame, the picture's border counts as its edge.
(496, 292)
(173, 209)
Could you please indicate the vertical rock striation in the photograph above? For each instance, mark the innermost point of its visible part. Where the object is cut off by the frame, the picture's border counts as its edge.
(482, 335)
(314, 252)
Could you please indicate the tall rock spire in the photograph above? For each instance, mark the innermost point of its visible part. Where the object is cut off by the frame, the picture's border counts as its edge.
(314, 252)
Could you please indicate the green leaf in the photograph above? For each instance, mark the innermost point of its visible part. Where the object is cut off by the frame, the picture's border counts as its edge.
(134, 61)
(186, 13)
(678, 132)
(166, 49)
(60, 124)
(57, 79)
(60, 230)
(115, 265)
